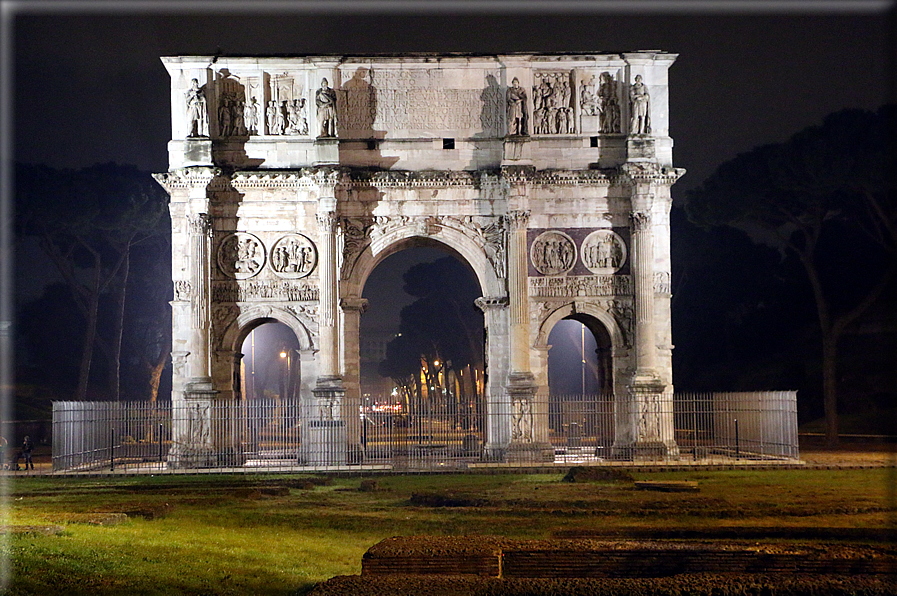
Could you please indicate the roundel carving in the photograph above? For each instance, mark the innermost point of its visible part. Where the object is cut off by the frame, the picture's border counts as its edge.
(241, 255)
(293, 256)
(603, 252)
(552, 253)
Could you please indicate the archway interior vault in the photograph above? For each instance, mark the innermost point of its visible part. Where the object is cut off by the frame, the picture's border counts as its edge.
(270, 365)
(579, 358)
(421, 313)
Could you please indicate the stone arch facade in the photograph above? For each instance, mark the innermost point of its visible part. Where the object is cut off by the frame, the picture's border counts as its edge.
(286, 192)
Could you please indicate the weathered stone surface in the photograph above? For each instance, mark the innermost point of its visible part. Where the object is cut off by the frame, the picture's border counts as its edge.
(292, 178)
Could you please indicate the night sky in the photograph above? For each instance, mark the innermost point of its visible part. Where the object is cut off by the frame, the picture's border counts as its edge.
(89, 87)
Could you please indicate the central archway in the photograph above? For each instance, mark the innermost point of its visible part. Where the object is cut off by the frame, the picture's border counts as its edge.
(474, 258)
(422, 356)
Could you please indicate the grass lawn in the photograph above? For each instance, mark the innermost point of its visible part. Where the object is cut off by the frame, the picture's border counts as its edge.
(266, 534)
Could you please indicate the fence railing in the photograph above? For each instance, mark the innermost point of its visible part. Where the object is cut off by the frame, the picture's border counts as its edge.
(291, 435)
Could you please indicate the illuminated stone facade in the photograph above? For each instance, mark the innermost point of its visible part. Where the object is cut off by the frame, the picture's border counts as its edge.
(292, 178)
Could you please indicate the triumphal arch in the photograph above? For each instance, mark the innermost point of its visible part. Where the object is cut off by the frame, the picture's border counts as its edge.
(291, 178)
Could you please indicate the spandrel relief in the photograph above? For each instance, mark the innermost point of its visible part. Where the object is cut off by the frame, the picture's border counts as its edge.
(553, 103)
(553, 253)
(293, 256)
(241, 255)
(603, 252)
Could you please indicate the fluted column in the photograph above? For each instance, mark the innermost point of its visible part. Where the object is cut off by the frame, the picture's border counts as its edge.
(517, 293)
(327, 310)
(327, 433)
(643, 278)
(200, 228)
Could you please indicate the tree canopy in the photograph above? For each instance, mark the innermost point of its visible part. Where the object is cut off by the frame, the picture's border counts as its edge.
(826, 196)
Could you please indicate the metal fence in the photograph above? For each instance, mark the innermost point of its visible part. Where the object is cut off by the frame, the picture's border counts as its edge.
(291, 435)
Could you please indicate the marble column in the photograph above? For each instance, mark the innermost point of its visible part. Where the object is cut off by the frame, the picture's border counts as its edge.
(528, 421)
(649, 411)
(327, 430)
(352, 308)
(192, 437)
(643, 282)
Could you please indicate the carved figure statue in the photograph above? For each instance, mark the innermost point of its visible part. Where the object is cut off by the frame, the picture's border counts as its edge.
(251, 117)
(517, 120)
(325, 101)
(280, 118)
(197, 114)
(640, 122)
(609, 104)
(238, 118)
(271, 118)
(588, 102)
(224, 121)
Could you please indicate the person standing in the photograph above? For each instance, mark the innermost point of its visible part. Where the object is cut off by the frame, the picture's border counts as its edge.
(27, 448)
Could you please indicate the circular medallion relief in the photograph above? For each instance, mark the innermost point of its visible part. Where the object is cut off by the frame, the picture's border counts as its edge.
(603, 252)
(241, 255)
(553, 253)
(293, 256)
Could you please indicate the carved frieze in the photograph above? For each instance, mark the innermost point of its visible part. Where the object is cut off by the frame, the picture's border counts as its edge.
(231, 105)
(522, 421)
(293, 256)
(279, 290)
(183, 290)
(662, 283)
(553, 253)
(286, 112)
(603, 252)
(553, 102)
(571, 286)
(241, 255)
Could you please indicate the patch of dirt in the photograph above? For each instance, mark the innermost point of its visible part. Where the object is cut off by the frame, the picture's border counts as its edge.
(680, 585)
(597, 474)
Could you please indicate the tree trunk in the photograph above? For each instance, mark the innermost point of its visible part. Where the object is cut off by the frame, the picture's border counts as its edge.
(829, 385)
(118, 324)
(155, 371)
(90, 334)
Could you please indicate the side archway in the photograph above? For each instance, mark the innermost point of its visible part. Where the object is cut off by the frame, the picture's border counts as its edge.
(603, 327)
(226, 363)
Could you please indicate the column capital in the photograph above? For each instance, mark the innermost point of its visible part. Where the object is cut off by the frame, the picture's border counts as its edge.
(640, 221)
(327, 221)
(486, 303)
(518, 218)
(354, 304)
(200, 224)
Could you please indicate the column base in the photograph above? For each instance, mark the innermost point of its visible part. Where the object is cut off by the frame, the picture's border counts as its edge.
(645, 450)
(530, 452)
